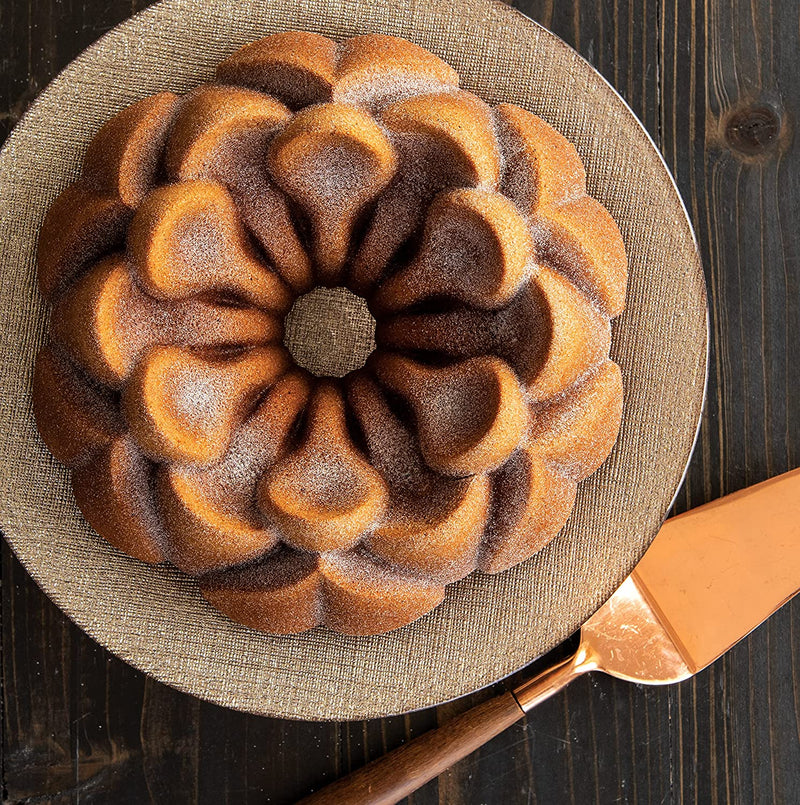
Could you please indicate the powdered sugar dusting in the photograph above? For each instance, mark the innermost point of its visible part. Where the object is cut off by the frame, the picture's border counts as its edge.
(353, 210)
(377, 89)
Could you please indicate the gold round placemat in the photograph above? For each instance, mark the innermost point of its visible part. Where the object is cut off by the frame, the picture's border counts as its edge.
(488, 626)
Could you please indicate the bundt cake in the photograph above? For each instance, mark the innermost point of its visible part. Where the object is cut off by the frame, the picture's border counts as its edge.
(192, 434)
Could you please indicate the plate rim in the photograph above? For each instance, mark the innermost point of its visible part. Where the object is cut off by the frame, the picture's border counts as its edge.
(154, 10)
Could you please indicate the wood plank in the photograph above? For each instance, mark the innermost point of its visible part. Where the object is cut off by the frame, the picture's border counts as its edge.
(729, 96)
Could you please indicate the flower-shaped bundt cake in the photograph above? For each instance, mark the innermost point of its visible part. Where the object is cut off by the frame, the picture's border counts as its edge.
(298, 500)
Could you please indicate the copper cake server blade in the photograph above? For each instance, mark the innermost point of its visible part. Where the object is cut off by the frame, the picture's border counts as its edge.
(709, 578)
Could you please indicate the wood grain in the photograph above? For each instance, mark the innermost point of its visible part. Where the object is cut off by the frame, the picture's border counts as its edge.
(717, 85)
(395, 775)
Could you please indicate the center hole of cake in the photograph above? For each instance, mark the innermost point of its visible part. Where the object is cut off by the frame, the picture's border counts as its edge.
(330, 332)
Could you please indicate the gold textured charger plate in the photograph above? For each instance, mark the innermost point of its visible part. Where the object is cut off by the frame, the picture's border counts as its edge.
(488, 626)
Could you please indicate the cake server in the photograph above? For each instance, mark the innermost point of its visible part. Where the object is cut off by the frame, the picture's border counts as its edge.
(708, 579)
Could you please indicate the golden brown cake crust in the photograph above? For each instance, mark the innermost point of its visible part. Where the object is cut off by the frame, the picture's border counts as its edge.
(124, 156)
(297, 500)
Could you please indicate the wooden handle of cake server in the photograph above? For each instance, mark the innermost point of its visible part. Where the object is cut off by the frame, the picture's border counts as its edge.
(401, 772)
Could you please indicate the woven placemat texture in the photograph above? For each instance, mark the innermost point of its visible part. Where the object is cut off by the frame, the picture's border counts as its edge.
(330, 331)
(488, 626)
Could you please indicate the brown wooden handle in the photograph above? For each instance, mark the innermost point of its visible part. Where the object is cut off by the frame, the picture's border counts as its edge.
(401, 772)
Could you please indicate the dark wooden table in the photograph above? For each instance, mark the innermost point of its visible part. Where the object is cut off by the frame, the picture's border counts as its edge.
(717, 84)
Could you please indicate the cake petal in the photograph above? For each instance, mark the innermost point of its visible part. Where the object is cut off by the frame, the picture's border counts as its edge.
(578, 337)
(74, 419)
(222, 135)
(440, 544)
(476, 248)
(123, 158)
(210, 514)
(280, 594)
(106, 322)
(545, 178)
(266, 215)
(460, 120)
(577, 430)
(296, 67)
(203, 536)
(363, 596)
(333, 160)
(376, 69)
(79, 227)
(582, 241)
(517, 333)
(470, 416)
(549, 334)
(433, 524)
(540, 167)
(443, 140)
(293, 591)
(112, 489)
(101, 319)
(186, 239)
(391, 446)
(531, 503)
(222, 130)
(324, 494)
(183, 406)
